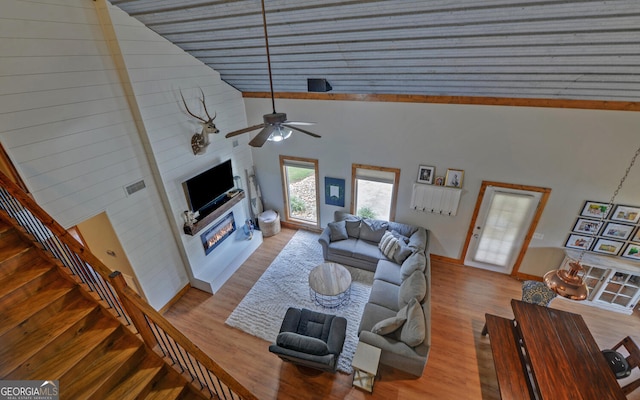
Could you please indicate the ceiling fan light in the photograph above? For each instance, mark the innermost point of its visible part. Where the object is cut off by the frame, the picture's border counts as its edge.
(280, 133)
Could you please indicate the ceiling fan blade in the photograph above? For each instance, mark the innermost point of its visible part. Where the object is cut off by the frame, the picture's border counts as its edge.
(240, 131)
(262, 136)
(302, 130)
(299, 123)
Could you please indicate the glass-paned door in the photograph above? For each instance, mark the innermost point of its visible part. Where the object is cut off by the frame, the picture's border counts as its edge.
(503, 221)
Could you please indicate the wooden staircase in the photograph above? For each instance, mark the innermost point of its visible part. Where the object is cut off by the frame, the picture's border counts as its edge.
(53, 329)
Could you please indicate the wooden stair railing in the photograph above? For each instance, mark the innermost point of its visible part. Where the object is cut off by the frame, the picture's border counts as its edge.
(117, 297)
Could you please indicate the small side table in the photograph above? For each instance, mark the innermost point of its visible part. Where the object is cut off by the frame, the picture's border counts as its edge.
(365, 366)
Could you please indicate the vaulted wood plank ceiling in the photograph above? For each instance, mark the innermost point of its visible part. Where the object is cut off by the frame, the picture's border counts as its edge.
(556, 49)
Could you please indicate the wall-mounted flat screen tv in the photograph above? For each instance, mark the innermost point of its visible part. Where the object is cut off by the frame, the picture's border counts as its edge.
(204, 189)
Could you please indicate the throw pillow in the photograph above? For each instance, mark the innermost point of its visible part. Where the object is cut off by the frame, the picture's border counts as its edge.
(414, 329)
(337, 231)
(402, 252)
(389, 325)
(301, 343)
(414, 287)
(400, 237)
(388, 245)
(353, 227)
(373, 230)
(415, 262)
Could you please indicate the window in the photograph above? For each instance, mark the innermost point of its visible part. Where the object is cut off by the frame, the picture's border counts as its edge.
(300, 182)
(375, 190)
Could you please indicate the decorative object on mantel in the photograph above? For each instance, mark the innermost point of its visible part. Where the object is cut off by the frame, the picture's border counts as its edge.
(566, 282)
(248, 229)
(275, 127)
(200, 141)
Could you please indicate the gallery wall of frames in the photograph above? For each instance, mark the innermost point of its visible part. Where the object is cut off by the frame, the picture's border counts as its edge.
(607, 229)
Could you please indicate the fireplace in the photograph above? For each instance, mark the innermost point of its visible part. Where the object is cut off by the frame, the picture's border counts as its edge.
(214, 236)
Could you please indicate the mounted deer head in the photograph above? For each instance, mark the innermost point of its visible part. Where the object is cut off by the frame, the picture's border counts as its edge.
(199, 141)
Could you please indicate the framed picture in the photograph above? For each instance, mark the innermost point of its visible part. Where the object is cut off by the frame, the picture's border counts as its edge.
(607, 246)
(334, 191)
(626, 214)
(595, 209)
(632, 251)
(439, 181)
(579, 242)
(588, 226)
(636, 236)
(425, 174)
(617, 231)
(454, 178)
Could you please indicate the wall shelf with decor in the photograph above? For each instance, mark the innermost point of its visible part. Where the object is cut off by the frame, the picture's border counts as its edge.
(613, 282)
(435, 199)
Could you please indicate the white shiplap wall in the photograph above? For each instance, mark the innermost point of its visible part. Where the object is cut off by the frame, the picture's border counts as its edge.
(158, 72)
(66, 123)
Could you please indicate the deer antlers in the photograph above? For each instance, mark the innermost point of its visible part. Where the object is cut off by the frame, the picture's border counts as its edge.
(204, 105)
(199, 141)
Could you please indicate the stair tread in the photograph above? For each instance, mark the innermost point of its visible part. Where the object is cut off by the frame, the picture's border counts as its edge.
(12, 282)
(68, 348)
(126, 350)
(33, 334)
(169, 387)
(20, 311)
(11, 243)
(27, 256)
(138, 380)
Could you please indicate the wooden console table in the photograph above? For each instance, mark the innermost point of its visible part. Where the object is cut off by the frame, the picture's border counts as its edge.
(564, 359)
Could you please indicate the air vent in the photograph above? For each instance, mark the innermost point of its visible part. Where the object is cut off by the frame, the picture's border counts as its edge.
(134, 187)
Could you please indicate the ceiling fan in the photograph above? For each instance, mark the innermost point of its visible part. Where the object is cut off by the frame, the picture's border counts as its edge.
(275, 126)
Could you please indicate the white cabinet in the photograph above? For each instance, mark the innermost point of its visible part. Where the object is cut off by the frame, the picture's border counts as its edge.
(614, 284)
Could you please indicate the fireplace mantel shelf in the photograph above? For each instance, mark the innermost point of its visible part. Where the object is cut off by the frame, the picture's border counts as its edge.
(207, 219)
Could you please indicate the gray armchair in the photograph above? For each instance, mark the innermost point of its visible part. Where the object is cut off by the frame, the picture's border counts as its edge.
(310, 339)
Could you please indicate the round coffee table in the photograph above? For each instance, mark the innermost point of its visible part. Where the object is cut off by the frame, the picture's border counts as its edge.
(330, 285)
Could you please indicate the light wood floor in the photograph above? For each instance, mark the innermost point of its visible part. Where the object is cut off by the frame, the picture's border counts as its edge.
(460, 364)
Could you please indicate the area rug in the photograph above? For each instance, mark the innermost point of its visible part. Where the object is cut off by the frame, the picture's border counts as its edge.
(285, 284)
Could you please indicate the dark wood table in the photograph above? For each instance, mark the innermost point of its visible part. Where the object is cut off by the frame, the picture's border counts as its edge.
(565, 361)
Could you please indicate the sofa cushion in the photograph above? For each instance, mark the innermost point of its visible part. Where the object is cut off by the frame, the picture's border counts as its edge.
(414, 287)
(389, 325)
(418, 241)
(402, 229)
(337, 231)
(414, 329)
(384, 294)
(372, 314)
(388, 271)
(415, 262)
(373, 229)
(353, 227)
(343, 247)
(366, 251)
(301, 343)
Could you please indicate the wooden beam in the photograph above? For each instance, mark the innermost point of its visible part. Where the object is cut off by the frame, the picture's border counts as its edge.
(485, 101)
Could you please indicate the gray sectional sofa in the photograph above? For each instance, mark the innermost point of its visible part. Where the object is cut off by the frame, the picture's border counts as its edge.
(397, 316)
